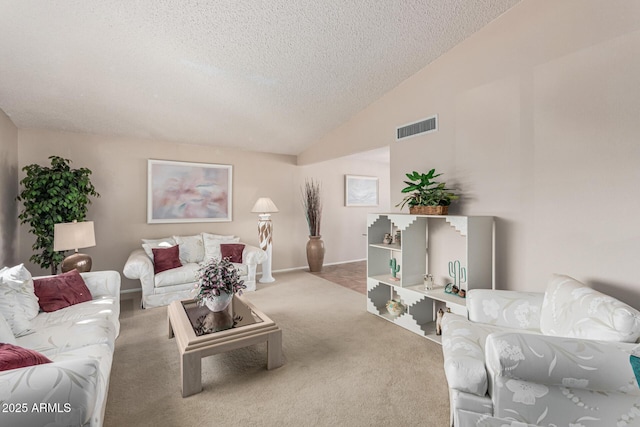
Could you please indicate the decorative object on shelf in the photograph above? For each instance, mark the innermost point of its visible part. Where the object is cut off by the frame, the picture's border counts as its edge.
(313, 212)
(395, 268)
(265, 207)
(387, 239)
(427, 197)
(395, 307)
(459, 276)
(217, 282)
(74, 235)
(43, 207)
(635, 362)
(428, 282)
(439, 317)
(188, 192)
(398, 238)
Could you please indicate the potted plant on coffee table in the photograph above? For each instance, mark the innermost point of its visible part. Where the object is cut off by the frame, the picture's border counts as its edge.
(218, 281)
(427, 197)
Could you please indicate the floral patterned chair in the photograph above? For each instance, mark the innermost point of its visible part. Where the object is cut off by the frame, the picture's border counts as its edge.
(531, 359)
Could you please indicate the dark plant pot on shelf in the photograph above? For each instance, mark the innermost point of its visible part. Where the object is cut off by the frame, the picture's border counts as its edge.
(428, 210)
(315, 253)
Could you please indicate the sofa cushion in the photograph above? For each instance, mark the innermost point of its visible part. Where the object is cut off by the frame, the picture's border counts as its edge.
(6, 334)
(233, 251)
(99, 308)
(70, 335)
(165, 259)
(570, 309)
(212, 244)
(149, 244)
(511, 309)
(177, 276)
(63, 290)
(14, 357)
(191, 248)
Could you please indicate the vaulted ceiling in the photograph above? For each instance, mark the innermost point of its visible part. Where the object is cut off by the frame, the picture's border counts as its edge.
(272, 75)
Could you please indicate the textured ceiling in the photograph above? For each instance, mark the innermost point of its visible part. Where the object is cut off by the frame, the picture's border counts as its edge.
(273, 75)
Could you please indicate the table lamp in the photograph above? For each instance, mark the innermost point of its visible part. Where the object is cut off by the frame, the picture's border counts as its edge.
(74, 235)
(264, 207)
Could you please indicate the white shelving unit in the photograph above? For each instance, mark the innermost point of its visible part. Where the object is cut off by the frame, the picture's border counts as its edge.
(427, 244)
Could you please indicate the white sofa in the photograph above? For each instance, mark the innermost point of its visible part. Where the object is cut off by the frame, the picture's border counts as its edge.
(80, 341)
(177, 283)
(559, 358)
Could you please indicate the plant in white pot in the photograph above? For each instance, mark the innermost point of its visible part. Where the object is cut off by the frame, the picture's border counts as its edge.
(218, 281)
(313, 212)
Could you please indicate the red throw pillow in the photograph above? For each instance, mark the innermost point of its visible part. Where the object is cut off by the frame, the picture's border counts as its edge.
(14, 357)
(233, 251)
(61, 291)
(166, 259)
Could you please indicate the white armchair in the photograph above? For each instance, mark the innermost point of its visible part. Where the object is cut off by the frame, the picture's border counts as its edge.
(529, 359)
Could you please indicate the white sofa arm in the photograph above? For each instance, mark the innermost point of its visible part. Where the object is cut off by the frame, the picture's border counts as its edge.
(103, 283)
(139, 266)
(252, 255)
(463, 349)
(60, 393)
(565, 362)
(510, 309)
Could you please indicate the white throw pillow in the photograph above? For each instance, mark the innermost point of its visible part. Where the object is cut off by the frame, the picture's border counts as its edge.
(191, 248)
(20, 281)
(212, 244)
(6, 335)
(571, 309)
(13, 312)
(149, 244)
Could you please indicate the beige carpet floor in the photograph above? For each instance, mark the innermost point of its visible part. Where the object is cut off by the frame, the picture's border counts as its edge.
(343, 367)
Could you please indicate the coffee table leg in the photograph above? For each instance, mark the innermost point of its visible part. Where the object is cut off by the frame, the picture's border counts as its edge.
(274, 350)
(191, 373)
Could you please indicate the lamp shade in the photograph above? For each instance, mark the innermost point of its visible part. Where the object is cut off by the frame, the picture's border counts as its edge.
(73, 235)
(264, 205)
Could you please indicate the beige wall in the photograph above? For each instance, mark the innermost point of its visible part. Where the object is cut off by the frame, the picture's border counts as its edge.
(8, 191)
(538, 125)
(119, 168)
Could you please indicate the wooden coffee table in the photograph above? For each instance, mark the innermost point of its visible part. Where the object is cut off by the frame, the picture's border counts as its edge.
(241, 325)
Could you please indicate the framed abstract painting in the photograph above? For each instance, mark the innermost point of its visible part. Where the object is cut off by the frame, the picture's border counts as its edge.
(188, 192)
(360, 190)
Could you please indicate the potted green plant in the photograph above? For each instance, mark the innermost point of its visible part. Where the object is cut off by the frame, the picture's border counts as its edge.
(53, 195)
(217, 282)
(427, 197)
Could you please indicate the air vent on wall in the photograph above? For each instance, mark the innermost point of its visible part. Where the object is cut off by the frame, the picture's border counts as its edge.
(418, 128)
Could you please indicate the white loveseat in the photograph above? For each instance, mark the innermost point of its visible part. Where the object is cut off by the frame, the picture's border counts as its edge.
(79, 340)
(177, 283)
(559, 358)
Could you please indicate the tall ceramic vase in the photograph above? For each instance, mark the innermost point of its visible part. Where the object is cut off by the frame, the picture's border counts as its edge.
(315, 253)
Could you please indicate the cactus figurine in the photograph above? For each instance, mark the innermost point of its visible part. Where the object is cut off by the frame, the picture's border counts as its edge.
(394, 269)
(459, 275)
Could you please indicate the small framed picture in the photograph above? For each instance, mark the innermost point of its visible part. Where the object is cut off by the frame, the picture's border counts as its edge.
(360, 190)
(188, 192)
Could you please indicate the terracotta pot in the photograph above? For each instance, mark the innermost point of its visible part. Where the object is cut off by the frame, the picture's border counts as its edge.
(428, 210)
(315, 253)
